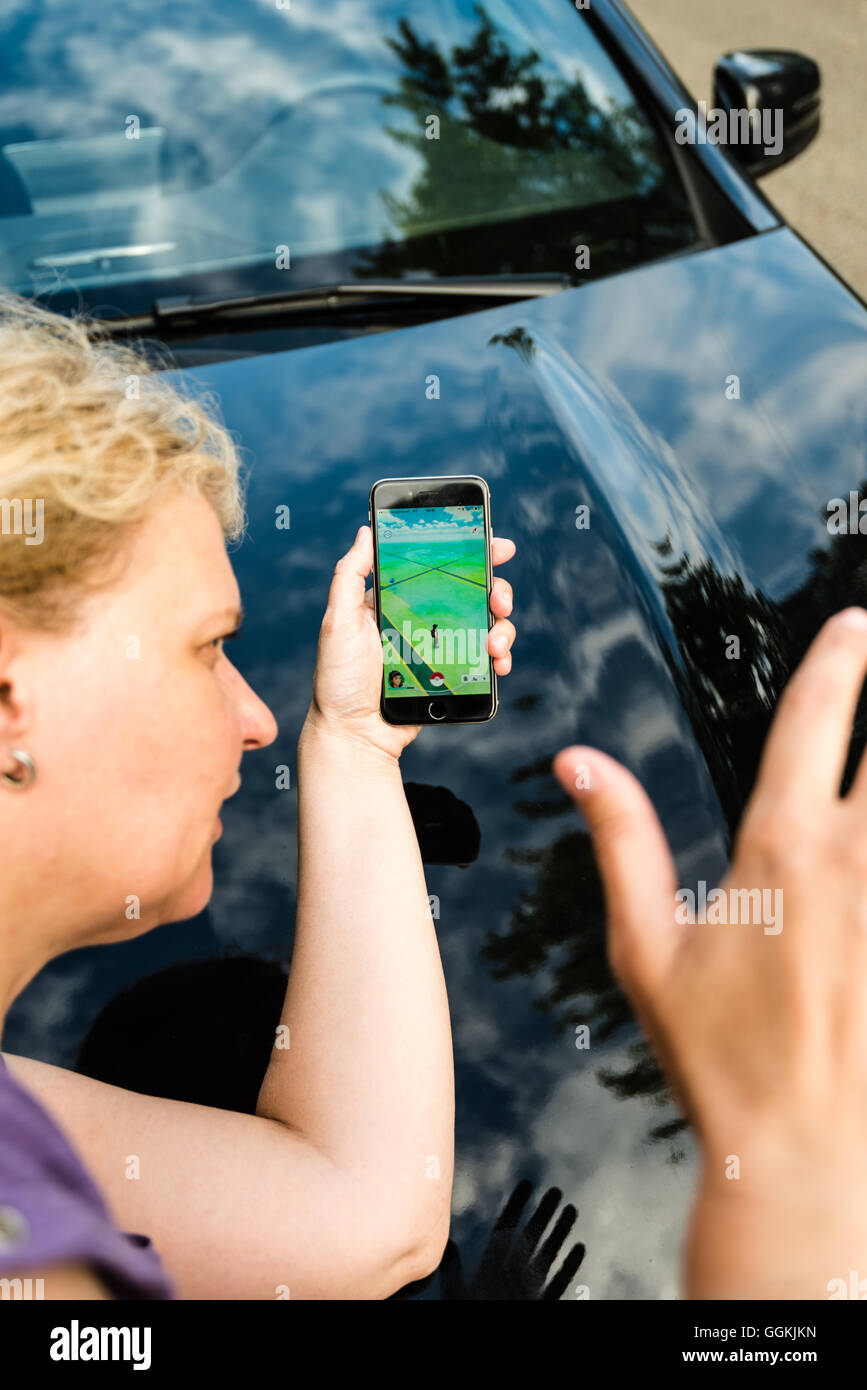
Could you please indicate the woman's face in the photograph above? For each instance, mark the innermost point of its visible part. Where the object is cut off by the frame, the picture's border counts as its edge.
(137, 725)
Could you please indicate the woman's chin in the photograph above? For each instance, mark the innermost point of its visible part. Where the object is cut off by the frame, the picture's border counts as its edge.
(188, 901)
(194, 897)
(198, 893)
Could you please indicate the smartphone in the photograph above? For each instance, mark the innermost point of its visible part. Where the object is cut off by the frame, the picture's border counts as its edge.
(432, 576)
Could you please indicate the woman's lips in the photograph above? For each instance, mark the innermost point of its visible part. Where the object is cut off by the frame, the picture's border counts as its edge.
(218, 824)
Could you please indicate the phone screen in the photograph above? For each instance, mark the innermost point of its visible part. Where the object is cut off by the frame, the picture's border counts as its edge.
(434, 600)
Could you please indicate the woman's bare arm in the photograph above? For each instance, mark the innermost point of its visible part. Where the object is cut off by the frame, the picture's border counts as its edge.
(368, 1074)
(238, 1206)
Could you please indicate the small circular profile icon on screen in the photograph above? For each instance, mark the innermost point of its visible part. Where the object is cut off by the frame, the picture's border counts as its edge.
(437, 678)
(395, 680)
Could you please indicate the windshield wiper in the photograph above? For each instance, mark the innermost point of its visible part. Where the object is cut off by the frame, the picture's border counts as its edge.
(183, 311)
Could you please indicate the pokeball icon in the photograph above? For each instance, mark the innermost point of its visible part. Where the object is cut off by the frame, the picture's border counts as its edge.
(437, 678)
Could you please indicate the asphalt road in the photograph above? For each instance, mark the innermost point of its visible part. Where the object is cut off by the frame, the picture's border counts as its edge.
(822, 192)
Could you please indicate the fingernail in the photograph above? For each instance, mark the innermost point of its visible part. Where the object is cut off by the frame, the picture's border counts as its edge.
(855, 618)
(584, 774)
(584, 777)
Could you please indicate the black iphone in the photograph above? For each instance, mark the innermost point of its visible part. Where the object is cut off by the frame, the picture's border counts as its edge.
(432, 575)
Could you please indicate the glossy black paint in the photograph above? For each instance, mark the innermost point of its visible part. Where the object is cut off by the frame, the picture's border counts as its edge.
(708, 518)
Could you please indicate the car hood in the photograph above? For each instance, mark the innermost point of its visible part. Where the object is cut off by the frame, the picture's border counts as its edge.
(704, 410)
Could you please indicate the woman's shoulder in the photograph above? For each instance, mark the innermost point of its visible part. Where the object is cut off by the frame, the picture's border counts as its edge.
(52, 1212)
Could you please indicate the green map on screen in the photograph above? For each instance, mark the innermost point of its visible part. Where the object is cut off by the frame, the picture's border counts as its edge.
(434, 599)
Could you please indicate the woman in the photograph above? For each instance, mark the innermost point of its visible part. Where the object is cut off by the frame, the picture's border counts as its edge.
(123, 726)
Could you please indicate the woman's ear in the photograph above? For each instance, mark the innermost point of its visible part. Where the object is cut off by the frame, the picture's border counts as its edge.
(16, 704)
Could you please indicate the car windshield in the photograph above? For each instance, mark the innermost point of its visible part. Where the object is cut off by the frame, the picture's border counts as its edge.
(152, 148)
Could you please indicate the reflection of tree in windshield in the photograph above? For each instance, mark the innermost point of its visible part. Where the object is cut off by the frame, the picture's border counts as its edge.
(498, 115)
(514, 140)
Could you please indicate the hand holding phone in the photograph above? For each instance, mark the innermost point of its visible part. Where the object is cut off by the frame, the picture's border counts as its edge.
(348, 680)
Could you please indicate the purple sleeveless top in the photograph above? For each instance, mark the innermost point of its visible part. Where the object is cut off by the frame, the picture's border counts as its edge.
(51, 1211)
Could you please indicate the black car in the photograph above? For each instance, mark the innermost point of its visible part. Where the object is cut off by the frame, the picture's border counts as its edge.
(394, 238)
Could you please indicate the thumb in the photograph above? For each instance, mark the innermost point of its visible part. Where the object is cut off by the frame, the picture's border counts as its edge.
(635, 863)
(350, 573)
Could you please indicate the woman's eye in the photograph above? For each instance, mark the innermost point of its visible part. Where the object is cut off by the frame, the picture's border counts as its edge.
(217, 642)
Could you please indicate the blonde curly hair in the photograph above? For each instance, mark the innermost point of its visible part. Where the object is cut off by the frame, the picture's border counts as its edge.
(91, 435)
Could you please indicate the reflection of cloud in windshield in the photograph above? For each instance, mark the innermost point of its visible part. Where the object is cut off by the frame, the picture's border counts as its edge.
(307, 129)
(219, 90)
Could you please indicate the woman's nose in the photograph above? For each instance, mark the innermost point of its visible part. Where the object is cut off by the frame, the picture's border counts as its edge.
(258, 725)
(263, 724)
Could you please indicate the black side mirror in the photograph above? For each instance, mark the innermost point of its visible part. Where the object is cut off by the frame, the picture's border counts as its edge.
(781, 91)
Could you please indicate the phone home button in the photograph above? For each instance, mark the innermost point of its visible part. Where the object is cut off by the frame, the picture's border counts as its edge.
(437, 709)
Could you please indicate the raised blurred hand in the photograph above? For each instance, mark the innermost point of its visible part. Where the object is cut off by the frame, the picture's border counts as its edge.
(762, 1033)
